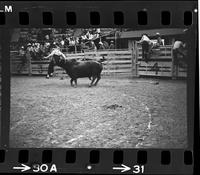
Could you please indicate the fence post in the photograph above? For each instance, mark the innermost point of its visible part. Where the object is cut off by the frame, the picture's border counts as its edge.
(134, 60)
(173, 68)
(29, 63)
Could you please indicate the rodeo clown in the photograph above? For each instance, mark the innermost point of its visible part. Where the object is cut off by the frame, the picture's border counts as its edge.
(55, 52)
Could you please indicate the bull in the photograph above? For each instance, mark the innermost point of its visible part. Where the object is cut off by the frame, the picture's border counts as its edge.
(78, 69)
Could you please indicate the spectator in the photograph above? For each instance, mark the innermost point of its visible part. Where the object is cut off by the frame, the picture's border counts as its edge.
(179, 54)
(101, 46)
(158, 41)
(30, 50)
(98, 31)
(66, 42)
(42, 50)
(83, 46)
(71, 41)
(62, 42)
(93, 46)
(22, 54)
(112, 46)
(47, 37)
(84, 37)
(106, 45)
(35, 51)
(46, 48)
(29, 47)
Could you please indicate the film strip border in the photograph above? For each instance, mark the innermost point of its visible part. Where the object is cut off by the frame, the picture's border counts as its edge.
(95, 17)
(97, 161)
(98, 14)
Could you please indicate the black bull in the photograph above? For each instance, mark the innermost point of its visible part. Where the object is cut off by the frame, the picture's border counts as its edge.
(77, 69)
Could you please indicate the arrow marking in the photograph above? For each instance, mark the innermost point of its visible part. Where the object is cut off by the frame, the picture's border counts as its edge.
(124, 168)
(23, 168)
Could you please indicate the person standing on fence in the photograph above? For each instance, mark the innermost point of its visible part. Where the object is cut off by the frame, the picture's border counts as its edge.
(146, 47)
(22, 54)
(158, 41)
(178, 53)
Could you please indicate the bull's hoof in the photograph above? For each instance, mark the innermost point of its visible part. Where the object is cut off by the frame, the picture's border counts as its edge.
(47, 77)
(155, 82)
(72, 85)
(90, 85)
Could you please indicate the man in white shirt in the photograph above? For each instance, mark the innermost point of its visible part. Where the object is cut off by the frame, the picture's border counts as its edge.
(178, 50)
(55, 53)
(147, 44)
(179, 53)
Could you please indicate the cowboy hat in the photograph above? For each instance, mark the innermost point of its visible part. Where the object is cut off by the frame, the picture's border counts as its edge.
(157, 34)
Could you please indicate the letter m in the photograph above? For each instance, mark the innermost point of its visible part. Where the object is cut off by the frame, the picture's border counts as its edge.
(8, 8)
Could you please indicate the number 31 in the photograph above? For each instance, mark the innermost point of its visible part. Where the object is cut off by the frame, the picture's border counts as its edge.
(138, 169)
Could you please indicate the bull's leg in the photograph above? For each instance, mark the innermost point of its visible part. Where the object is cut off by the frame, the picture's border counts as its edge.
(71, 81)
(75, 80)
(98, 78)
(93, 78)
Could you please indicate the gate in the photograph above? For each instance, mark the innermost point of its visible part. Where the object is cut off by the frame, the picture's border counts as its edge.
(160, 63)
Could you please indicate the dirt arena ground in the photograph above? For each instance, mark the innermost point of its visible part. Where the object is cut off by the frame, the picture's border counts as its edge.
(118, 113)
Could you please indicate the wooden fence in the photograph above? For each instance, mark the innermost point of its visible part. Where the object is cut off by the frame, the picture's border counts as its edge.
(127, 63)
(118, 63)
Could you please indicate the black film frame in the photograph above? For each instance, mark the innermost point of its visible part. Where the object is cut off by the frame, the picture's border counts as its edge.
(106, 10)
